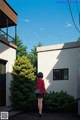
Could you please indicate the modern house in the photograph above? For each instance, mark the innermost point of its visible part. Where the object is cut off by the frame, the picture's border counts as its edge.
(60, 65)
(8, 19)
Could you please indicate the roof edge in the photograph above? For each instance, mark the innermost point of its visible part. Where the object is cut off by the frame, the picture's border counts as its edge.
(58, 46)
(10, 7)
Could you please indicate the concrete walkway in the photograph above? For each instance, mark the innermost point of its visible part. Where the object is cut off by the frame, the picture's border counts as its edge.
(46, 116)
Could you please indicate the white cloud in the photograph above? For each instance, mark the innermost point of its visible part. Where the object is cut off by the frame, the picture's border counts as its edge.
(42, 28)
(68, 25)
(28, 21)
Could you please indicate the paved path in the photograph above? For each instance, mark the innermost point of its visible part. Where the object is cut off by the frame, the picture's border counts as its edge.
(46, 116)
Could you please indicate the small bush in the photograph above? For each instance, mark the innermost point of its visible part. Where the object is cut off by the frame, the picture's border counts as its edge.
(60, 101)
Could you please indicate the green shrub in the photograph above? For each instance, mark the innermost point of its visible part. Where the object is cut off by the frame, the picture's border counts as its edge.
(22, 84)
(60, 101)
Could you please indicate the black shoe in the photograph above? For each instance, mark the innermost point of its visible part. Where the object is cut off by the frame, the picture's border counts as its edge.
(40, 115)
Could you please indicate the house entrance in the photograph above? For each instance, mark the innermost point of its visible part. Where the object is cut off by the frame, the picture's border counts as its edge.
(2, 83)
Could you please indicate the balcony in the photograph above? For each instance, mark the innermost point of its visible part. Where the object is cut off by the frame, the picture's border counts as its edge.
(8, 18)
(5, 36)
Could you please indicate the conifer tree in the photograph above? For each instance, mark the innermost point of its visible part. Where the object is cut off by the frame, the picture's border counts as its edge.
(22, 84)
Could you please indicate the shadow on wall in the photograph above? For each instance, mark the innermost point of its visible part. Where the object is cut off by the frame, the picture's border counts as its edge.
(8, 92)
(65, 58)
(3, 47)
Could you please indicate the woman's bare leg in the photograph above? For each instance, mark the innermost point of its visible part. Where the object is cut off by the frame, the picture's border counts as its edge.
(40, 105)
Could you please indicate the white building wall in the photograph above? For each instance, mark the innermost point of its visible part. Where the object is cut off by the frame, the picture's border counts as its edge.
(56, 59)
(8, 53)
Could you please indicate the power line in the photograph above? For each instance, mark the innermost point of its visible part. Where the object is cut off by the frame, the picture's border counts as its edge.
(72, 17)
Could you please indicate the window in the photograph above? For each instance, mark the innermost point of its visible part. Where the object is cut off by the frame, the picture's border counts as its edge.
(61, 74)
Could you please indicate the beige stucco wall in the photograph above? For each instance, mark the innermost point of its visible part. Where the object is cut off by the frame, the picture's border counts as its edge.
(8, 53)
(55, 57)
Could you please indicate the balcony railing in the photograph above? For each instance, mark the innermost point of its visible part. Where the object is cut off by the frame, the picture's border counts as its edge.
(4, 35)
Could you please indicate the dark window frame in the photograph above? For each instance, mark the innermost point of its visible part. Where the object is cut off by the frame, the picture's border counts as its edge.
(61, 74)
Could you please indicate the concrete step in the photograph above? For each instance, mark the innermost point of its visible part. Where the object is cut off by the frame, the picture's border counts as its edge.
(6, 108)
(10, 110)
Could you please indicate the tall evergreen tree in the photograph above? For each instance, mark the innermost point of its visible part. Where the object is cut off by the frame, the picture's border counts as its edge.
(22, 84)
(21, 49)
(33, 56)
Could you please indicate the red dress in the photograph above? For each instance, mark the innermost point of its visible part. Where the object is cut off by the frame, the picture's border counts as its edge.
(40, 85)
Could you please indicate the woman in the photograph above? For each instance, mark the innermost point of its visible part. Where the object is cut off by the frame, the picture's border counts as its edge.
(40, 86)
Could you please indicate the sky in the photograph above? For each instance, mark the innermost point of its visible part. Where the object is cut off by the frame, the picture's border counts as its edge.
(46, 21)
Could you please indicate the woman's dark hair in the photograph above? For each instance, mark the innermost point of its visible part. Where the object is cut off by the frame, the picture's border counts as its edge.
(40, 75)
